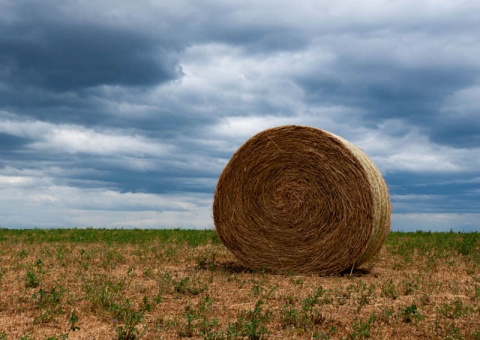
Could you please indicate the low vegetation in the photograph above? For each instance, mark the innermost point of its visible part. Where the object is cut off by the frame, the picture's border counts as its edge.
(171, 284)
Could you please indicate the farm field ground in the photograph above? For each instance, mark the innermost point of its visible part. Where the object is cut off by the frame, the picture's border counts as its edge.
(170, 284)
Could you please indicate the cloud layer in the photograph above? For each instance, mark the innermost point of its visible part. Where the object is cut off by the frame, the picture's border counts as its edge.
(124, 114)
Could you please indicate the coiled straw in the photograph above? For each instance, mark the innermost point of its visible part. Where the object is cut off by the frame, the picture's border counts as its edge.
(299, 199)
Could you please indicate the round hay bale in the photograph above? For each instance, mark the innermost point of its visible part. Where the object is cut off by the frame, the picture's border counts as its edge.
(299, 199)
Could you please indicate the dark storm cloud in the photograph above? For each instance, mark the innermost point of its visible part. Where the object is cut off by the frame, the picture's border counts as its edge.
(44, 46)
(9, 143)
(427, 193)
(458, 131)
(63, 57)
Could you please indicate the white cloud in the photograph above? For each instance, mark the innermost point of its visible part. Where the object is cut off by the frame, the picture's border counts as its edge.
(247, 126)
(225, 80)
(62, 206)
(48, 137)
(393, 146)
(15, 181)
(75, 139)
(26, 129)
(407, 149)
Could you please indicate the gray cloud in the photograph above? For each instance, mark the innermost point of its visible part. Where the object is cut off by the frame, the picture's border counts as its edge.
(43, 48)
(142, 104)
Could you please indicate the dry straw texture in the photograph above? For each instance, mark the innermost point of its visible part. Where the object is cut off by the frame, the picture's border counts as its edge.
(299, 199)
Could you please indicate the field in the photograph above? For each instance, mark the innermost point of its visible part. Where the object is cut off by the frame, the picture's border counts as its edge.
(169, 284)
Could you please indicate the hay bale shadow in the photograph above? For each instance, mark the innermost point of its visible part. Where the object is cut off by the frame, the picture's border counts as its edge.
(357, 272)
(237, 268)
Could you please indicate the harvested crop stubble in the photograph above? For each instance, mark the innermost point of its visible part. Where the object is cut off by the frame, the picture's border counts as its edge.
(299, 199)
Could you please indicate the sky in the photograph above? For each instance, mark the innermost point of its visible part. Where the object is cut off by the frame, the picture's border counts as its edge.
(120, 114)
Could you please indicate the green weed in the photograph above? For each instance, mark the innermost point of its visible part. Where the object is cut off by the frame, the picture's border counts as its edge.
(325, 335)
(73, 321)
(388, 290)
(131, 319)
(49, 299)
(104, 292)
(188, 328)
(3, 271)
(363, 293)
(311, 300)
(31, 280)
(250, 324)
(410, 314)
(454, 333)
(409, 287)
(298, 281)
(361, 329)
(207, 260)
(477, 292)
(207, 326)
(454, 309)
(188, 286)
(198, 321)
(258, 289)
(304, 317)
(290, 316)
(385, 315)
(111, 259)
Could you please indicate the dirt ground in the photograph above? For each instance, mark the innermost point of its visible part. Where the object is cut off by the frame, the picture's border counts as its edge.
(170, 290)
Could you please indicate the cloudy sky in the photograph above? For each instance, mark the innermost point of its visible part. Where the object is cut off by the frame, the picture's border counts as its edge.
(124, 113)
